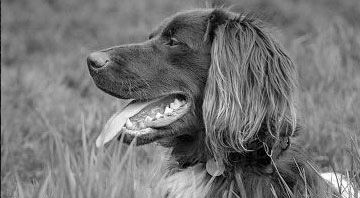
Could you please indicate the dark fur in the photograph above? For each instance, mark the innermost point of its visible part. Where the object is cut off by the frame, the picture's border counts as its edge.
(147, 70)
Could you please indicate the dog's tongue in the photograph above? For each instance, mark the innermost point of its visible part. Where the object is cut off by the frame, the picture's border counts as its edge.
(118, 120)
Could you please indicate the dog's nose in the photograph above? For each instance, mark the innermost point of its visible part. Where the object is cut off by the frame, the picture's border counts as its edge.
(98, 59)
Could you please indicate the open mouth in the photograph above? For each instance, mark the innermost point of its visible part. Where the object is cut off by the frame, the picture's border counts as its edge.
(144, 118)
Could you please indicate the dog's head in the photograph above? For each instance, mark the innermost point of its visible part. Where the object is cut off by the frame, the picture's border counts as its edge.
(203, 76)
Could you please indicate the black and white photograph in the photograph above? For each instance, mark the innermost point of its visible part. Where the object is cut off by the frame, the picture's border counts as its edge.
(180, 99)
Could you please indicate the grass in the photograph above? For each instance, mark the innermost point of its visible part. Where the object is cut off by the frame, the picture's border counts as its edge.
(51, 111)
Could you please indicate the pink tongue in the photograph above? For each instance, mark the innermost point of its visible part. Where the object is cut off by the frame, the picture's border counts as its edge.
(118, 120)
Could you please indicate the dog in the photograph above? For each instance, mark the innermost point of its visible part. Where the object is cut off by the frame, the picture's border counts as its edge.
(218, 89)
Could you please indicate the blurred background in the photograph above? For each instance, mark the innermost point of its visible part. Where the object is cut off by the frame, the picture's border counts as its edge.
(51, 112)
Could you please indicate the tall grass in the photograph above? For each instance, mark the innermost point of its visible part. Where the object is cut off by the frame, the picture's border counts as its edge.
(118, 170)
(51, 112)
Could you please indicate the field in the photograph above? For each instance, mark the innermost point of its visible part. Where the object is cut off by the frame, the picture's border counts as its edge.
(51, 112)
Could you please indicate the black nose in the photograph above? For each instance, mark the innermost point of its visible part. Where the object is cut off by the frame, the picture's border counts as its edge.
(98, 59)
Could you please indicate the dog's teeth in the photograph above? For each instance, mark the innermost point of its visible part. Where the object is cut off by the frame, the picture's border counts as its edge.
(168, 110)
(129, 124)
(171, 105)
(148, 119)
(176, 104)
(159, 115)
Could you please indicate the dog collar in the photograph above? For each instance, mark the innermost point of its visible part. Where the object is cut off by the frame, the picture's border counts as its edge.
(215, 168)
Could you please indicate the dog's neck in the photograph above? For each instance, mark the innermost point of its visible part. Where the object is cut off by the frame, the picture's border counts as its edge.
(190, 150)
(195, 180)
(250, 179)
(186, 174)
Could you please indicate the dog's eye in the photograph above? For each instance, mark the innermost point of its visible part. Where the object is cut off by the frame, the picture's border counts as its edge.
(173, 42)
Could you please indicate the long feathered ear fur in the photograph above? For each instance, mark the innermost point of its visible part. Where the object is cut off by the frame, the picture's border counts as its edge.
(251, 82)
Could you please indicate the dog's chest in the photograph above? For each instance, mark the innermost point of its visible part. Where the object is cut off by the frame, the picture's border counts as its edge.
(191, 182)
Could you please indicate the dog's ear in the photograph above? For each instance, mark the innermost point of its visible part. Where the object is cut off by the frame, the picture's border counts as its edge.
(250, 83)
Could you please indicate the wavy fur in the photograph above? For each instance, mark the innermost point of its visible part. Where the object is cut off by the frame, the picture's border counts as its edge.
(251, 81)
